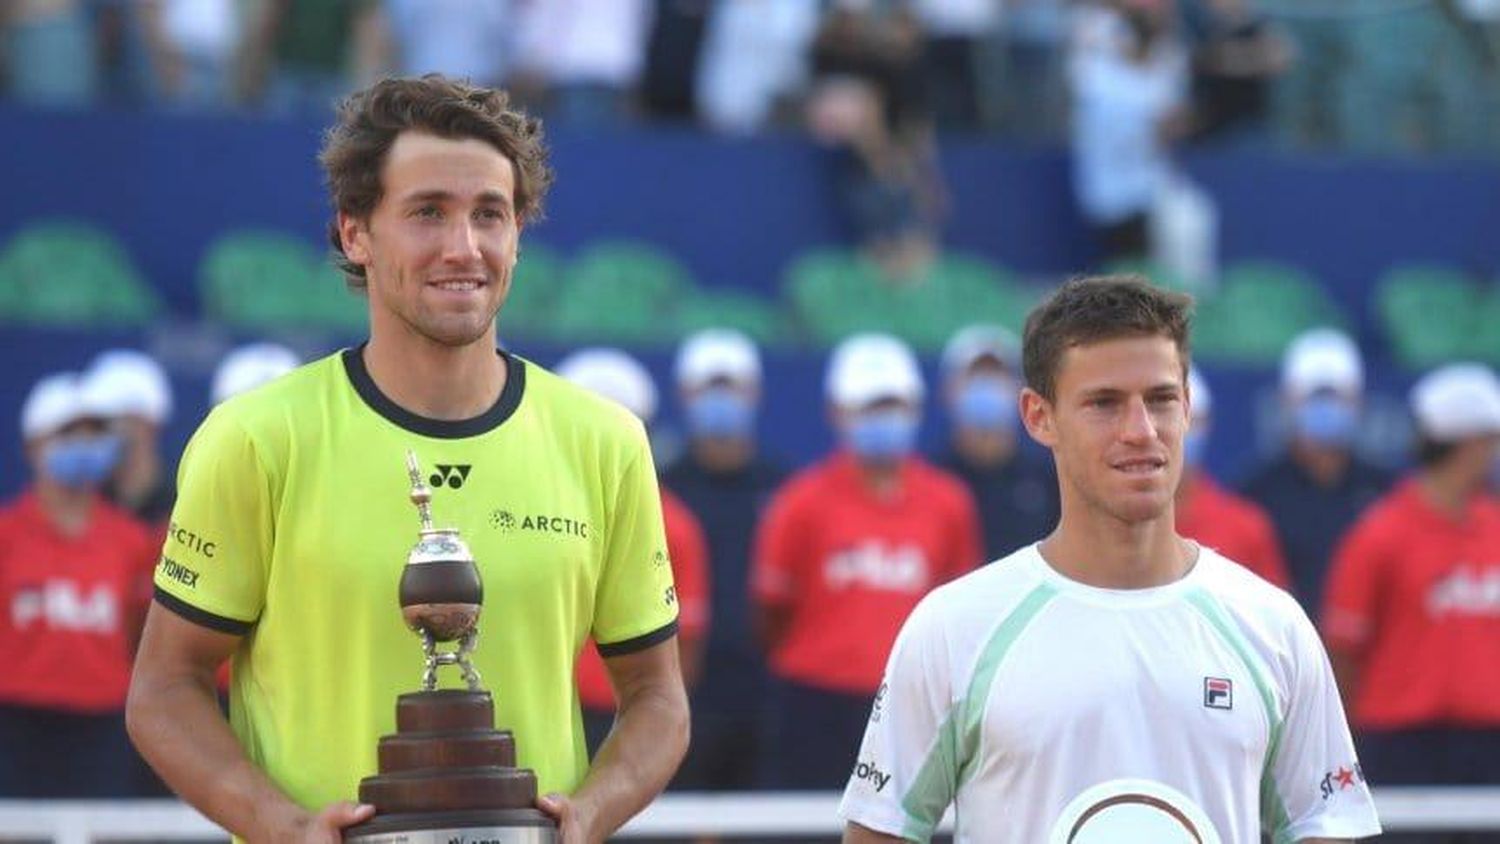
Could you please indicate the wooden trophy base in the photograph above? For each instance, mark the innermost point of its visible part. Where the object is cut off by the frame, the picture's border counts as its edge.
(447, 776)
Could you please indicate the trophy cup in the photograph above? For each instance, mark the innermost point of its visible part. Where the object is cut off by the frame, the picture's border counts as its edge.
(447, 776)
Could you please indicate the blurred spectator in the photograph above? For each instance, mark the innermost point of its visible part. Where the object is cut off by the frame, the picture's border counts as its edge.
(847, 548)
(1413, 606)
(619, 377)
(954, 33)
(463, 39)
(1237, 55)
(726, 483)
(1030, 75)
(581, 59)
(192, 48)
(866, 102)
(673, 47)
(51, 52)
(1128, 72)
(754, 61)
(74, 581)
(1215, 517)
(1319, 486)
(1016, 493)
(250, 366)
(303, 55)
(131, 390)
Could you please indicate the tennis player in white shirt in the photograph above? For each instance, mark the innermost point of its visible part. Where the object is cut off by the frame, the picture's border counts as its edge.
(1114, 683)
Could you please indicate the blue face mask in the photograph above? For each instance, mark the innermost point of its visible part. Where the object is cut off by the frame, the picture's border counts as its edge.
(720, 414)
(986, 404)
(1194, 448)
(1327, 421)
(82, 462)
(882, 436)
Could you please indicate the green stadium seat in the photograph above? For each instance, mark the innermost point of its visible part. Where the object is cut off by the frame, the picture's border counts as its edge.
(623, 292)
(67, 273)
(1430, 314)
(1257, 310)
(754, 315)
(266, 280)
(835, 293)
(534, 290)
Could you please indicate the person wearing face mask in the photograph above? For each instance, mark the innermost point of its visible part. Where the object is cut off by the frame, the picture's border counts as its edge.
(726, 482)
(1412, 613)
(132, 391)
(1015, 492)
(1212, 515)
(1317, 488)
(74, 572)
(846, 550)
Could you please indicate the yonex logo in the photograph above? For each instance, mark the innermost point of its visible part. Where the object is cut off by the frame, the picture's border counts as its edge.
(1218, 693)
(452, 476)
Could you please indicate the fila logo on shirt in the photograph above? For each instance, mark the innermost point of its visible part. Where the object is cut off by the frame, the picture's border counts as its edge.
(1466, 592)
(451, 475)
(874, 565)
(1218, 693)
(61, 605)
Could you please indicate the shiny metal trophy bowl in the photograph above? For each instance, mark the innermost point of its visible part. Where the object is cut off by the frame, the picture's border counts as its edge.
(447, 776)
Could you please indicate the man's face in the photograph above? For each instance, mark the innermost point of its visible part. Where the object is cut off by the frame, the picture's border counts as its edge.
(439, 249)
(1116, 425)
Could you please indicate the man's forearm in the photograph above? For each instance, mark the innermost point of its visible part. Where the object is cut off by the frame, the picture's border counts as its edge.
(638, 758)
(179, 729)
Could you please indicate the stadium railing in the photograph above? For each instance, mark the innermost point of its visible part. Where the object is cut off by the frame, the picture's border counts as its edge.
(765, 815)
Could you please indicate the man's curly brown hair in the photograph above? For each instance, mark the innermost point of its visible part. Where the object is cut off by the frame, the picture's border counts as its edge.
(369, 121)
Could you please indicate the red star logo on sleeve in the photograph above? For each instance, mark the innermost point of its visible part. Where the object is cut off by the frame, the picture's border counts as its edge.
(1345, 778)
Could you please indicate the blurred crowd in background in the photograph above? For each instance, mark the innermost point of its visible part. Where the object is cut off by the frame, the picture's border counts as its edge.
(1367, 75)
(795, 580)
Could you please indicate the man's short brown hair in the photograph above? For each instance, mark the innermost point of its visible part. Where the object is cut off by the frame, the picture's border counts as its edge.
(369, 121)
(1093, 309)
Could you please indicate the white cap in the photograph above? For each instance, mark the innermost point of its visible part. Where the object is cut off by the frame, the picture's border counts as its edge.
(1322, 359)
(969, 344)
(615, 375)
(1199, 395)
(1457, 401)
(55, 402)
(124, 382)
(717, 353)
(866, 368)
(250, 366)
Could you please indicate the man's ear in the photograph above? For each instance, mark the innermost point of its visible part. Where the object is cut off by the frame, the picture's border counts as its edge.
(354, 237)
(1037, 414)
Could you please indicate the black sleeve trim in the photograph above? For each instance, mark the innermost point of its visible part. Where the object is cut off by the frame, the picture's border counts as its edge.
(639, 643)
(202, 618)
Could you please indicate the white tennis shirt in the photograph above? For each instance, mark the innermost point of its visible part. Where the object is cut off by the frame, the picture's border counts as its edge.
(1202, 712)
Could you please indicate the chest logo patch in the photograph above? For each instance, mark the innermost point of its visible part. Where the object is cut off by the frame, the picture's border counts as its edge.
(1218, 693)
(451, 475)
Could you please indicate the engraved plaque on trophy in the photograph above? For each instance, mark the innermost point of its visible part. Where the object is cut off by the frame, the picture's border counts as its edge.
(447, 776)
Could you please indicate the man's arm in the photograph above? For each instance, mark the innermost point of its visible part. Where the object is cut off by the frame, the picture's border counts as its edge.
(856, 834)
(642, 751)
(174, 719)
